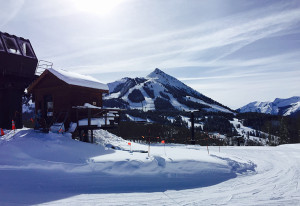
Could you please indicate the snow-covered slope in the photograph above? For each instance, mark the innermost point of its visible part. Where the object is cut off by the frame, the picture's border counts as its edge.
(53, 169)
(279, 106)
(256, 136)
(275, 182)
(38, 168)
(158, 91)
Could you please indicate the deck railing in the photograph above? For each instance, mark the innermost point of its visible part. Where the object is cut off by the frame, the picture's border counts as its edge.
(42, 66)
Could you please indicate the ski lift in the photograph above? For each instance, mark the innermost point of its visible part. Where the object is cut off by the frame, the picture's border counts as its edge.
(17, 68)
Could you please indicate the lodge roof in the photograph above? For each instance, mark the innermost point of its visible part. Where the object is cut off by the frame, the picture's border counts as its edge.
(71, 78)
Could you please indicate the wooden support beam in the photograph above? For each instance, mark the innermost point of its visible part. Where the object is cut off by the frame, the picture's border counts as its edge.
(89, 117)
(80, 134)
(77, 117)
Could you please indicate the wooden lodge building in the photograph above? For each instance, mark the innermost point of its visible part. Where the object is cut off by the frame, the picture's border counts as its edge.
(60, 96)
(64, 97)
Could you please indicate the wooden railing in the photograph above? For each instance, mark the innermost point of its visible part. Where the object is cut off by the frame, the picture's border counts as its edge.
(42, 66)
(110, 117)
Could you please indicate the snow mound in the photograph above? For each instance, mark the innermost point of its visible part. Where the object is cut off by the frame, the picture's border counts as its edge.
(38, 167)
(27, 149)
(168, 161)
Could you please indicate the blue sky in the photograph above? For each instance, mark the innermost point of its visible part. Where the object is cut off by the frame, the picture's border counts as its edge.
(233, 51)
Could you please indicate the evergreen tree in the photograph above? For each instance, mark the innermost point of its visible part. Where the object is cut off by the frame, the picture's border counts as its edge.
(283, 133)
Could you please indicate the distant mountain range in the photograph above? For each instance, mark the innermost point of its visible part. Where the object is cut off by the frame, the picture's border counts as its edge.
(162, 99)
(159, 91)
(285, 107)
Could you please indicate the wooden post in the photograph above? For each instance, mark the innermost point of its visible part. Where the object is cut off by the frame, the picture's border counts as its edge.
(86, 132)
(192, 129)
(149, 144)
(89, 117)
(80, 134)
(77, 117)
(92, 136)
(89, 124)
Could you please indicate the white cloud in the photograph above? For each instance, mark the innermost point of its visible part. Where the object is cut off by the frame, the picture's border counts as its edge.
(121, 43)
(181, 48)
(9, 10)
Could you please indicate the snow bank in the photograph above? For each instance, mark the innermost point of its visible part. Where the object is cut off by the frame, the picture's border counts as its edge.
(169, 161)
(38, 167)
(27, 149)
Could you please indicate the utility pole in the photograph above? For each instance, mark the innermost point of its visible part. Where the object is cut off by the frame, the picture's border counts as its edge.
(149, 144)
(192, 129)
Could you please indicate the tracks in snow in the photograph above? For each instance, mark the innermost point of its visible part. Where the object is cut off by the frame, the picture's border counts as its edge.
(275, 182)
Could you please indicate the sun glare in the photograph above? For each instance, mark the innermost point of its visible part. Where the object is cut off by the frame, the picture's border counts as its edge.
(99, 7)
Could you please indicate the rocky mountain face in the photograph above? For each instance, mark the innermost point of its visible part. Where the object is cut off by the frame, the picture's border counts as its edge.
(161, 92)
(285, 107)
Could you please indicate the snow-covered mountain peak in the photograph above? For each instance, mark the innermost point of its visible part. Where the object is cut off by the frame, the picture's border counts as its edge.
(158, 91)
(157, 73)
(165, 79)
(278, 107)
(162, 77)
(285, 102)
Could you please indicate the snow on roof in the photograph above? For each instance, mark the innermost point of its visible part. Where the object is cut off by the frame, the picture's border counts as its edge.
(78, 79)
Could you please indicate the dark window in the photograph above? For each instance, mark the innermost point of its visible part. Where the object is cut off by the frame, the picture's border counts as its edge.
(26, 48)
(48, 106)
(11, 45)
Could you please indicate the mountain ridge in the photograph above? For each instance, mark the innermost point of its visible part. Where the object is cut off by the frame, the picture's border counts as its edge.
(159, 91)
(279, 106)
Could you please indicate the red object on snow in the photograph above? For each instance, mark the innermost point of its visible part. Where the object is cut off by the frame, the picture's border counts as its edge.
(13, 127)
(31, 120)
(163, 141)
(2, 133)
(129, 143)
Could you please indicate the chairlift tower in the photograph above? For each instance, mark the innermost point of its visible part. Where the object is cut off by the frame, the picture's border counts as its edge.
(18, 63)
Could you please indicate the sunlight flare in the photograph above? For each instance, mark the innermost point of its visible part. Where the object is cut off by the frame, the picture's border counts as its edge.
(99, 7)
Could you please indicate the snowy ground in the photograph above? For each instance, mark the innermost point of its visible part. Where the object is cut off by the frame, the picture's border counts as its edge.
(53, 169)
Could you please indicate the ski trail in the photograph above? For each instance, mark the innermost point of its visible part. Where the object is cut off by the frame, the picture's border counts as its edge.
(275, 182)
